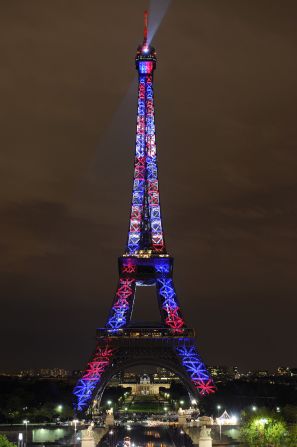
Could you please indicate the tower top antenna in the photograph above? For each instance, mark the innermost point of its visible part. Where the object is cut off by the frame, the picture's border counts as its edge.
(145, 27)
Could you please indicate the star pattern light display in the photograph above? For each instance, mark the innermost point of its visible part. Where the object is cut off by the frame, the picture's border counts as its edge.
(196, 369)
(170, 304)
(122, 306)
(145, 229)
(86, 385)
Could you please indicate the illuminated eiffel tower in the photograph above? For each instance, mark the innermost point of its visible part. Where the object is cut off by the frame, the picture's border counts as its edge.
(122, 344)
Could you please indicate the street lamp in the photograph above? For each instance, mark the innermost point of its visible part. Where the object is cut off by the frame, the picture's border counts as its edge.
(109, 402)
(20, 439)
(254, 408)
(59, 408)
(26, 422)
(262, 421)
(181, 402)
(220, 425)
(194, 402)
(75, 421)
(218, 408)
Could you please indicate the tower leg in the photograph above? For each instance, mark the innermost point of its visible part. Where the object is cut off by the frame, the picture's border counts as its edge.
(195, 368)
(122, 305)
(87, 384)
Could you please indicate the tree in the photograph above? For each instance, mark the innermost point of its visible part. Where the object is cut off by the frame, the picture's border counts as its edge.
(265, 432)
(5, 443)
(292, 440)
(290, 413)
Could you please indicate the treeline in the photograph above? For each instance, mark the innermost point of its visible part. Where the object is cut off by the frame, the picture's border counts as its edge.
(34, 399)
(239, 394)
(41, 400)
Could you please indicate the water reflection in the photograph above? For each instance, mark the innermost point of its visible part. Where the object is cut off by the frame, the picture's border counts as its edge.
(40, 435)
(146, 437)
(140, 436)
(43, 435)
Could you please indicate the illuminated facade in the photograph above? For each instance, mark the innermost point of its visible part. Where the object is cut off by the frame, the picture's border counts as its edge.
(145, 263)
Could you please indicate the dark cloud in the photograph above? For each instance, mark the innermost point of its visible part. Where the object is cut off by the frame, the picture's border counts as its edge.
(226, 129)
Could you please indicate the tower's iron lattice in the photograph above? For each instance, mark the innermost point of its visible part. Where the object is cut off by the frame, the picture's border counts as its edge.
(121, 344)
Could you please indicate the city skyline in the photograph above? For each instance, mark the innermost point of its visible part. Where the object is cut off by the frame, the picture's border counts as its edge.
(279, 371)
(225, 135)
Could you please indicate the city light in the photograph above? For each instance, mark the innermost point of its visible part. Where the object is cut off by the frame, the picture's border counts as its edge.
(109, 402)
(234, 420)
(262, 421)
(59, 408)
(219, 407)
(254, 408)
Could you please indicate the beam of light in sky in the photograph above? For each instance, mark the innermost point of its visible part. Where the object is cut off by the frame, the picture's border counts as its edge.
(121, 130)
(120, 126)
(157, 11)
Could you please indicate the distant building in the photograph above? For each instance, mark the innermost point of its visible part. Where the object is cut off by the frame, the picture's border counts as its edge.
(162, 375)
(261, 373)
(221, 373)
(283, 371)
(45, 373)
(145, 387)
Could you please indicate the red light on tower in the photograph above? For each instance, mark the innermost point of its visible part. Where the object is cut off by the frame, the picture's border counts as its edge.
(145, 27)
(145, 47)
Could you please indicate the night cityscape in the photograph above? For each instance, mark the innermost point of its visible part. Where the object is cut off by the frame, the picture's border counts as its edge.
(148, 268)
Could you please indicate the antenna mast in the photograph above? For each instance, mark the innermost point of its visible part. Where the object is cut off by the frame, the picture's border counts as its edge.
(145, 27)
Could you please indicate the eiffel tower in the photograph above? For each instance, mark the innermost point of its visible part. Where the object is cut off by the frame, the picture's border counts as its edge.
(122, 343)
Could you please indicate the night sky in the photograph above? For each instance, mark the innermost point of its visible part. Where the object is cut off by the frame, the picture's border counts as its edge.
(226, 95)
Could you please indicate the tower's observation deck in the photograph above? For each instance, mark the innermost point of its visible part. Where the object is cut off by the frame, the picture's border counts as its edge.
(146, 59)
